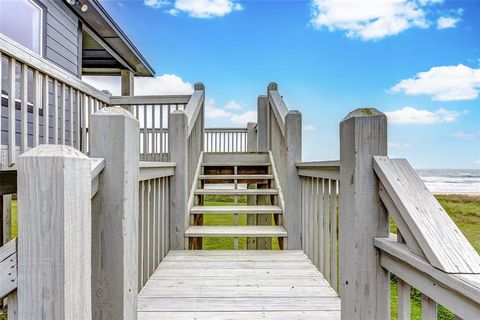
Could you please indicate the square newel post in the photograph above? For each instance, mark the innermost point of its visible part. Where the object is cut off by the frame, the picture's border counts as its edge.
(54, 241)
(262, 121)
(365, 286)
(178, 151)
(127, 82)
(293, 204)
(251, 137)
(115, 137)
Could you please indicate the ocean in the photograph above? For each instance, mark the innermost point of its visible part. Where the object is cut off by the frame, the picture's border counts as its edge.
(451, 180)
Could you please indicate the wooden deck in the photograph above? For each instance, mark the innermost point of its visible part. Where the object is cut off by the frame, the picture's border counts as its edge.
(237, 285)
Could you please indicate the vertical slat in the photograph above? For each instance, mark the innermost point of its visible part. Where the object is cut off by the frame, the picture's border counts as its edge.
(403, 300)
(141, 230)
(429, 308)
(37, 100)
(154, 140)
(55, 111)
(333, 237)
(11, 112)
(326, 229)
(145, 136)
(78, 119)
(152, 221)
(321, 206)
(1, 86)
(24, 108)
(84, 124)
(70, 89)
(46, 109)
(146, 199)
(63, 119)
(316, 254)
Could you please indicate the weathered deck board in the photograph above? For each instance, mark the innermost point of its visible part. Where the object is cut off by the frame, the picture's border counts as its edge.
(237, 285)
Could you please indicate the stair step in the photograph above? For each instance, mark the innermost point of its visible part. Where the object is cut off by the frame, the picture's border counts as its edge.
(235, 176)
(236, 231)
(237, 164)
(235, 191)
(235, 209)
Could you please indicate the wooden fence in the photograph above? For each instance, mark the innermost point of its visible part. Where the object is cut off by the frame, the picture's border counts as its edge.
(225, 140)
(280, 131)
(319, 198)
(41, 103)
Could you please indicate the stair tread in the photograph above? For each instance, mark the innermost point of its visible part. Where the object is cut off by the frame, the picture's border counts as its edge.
(236, 231)
(235, 176)
(235, 209)
(238, 164)
(236, 191)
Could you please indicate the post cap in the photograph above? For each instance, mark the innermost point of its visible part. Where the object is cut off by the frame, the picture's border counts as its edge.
(54, 151)
(114, 111)
(272, 86)
(363, 112)
(199, 86)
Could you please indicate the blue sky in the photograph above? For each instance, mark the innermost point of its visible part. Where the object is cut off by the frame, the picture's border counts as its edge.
(416, 60)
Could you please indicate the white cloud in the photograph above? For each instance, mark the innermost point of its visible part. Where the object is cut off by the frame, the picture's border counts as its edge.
(399, 145)
(444, 83)
(155, 3)
(463, 135)
(244, 118)
(197, 8)
(309, 127)
(409, 115)
(447, 22)
(211, 111)
(164, 84)
(476, 162)
(370, 19)
(233, 105)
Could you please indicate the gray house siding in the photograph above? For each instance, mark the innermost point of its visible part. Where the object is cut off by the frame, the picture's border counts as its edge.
(62, 36)
(61, 46)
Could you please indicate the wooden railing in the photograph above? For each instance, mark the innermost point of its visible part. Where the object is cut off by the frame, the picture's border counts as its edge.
(428, 252)
(319, 196)
(154, 215)
(41, 103)
(280, 132)
(225, 140)
(186, 143)
(152, 112)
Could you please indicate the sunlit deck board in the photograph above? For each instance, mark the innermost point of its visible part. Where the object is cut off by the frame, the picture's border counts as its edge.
(237, 285)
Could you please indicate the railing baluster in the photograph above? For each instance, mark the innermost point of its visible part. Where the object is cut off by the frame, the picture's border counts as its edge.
(24, 108)
(37, 100)
(11, 112)
(70, 90)
(63, 119)
(46, 109)
(334, 234)
(429, 308)
(55, 111)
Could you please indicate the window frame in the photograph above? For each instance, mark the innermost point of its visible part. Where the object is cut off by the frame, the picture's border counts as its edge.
(43, 27)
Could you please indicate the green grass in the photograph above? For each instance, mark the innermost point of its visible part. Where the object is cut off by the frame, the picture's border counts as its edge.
(464, 211)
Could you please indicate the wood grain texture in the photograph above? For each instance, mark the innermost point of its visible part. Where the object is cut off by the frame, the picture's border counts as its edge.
(364, 284)
(8, 268)
(230, 289)
(114, 134)
(443, 243)
(54, 243)
(460, 295)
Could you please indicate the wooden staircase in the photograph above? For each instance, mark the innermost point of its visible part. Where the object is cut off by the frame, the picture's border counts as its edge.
(247, 180)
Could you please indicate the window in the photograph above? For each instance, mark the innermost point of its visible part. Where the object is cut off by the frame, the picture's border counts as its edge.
(22, 21)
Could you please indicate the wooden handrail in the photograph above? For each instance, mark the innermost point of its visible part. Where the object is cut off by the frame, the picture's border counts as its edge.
(443, 244)
(458, 292)
(319, 169)
(234, 130)
(35, 61)
(279, 107)
(98, 164)
(152, 170)
(150, 99)
(8, 268)
(194, 106)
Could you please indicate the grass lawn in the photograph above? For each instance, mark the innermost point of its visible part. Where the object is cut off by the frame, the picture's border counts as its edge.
(464, 211)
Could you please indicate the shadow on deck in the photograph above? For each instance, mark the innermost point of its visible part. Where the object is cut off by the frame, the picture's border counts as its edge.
(251, 284)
